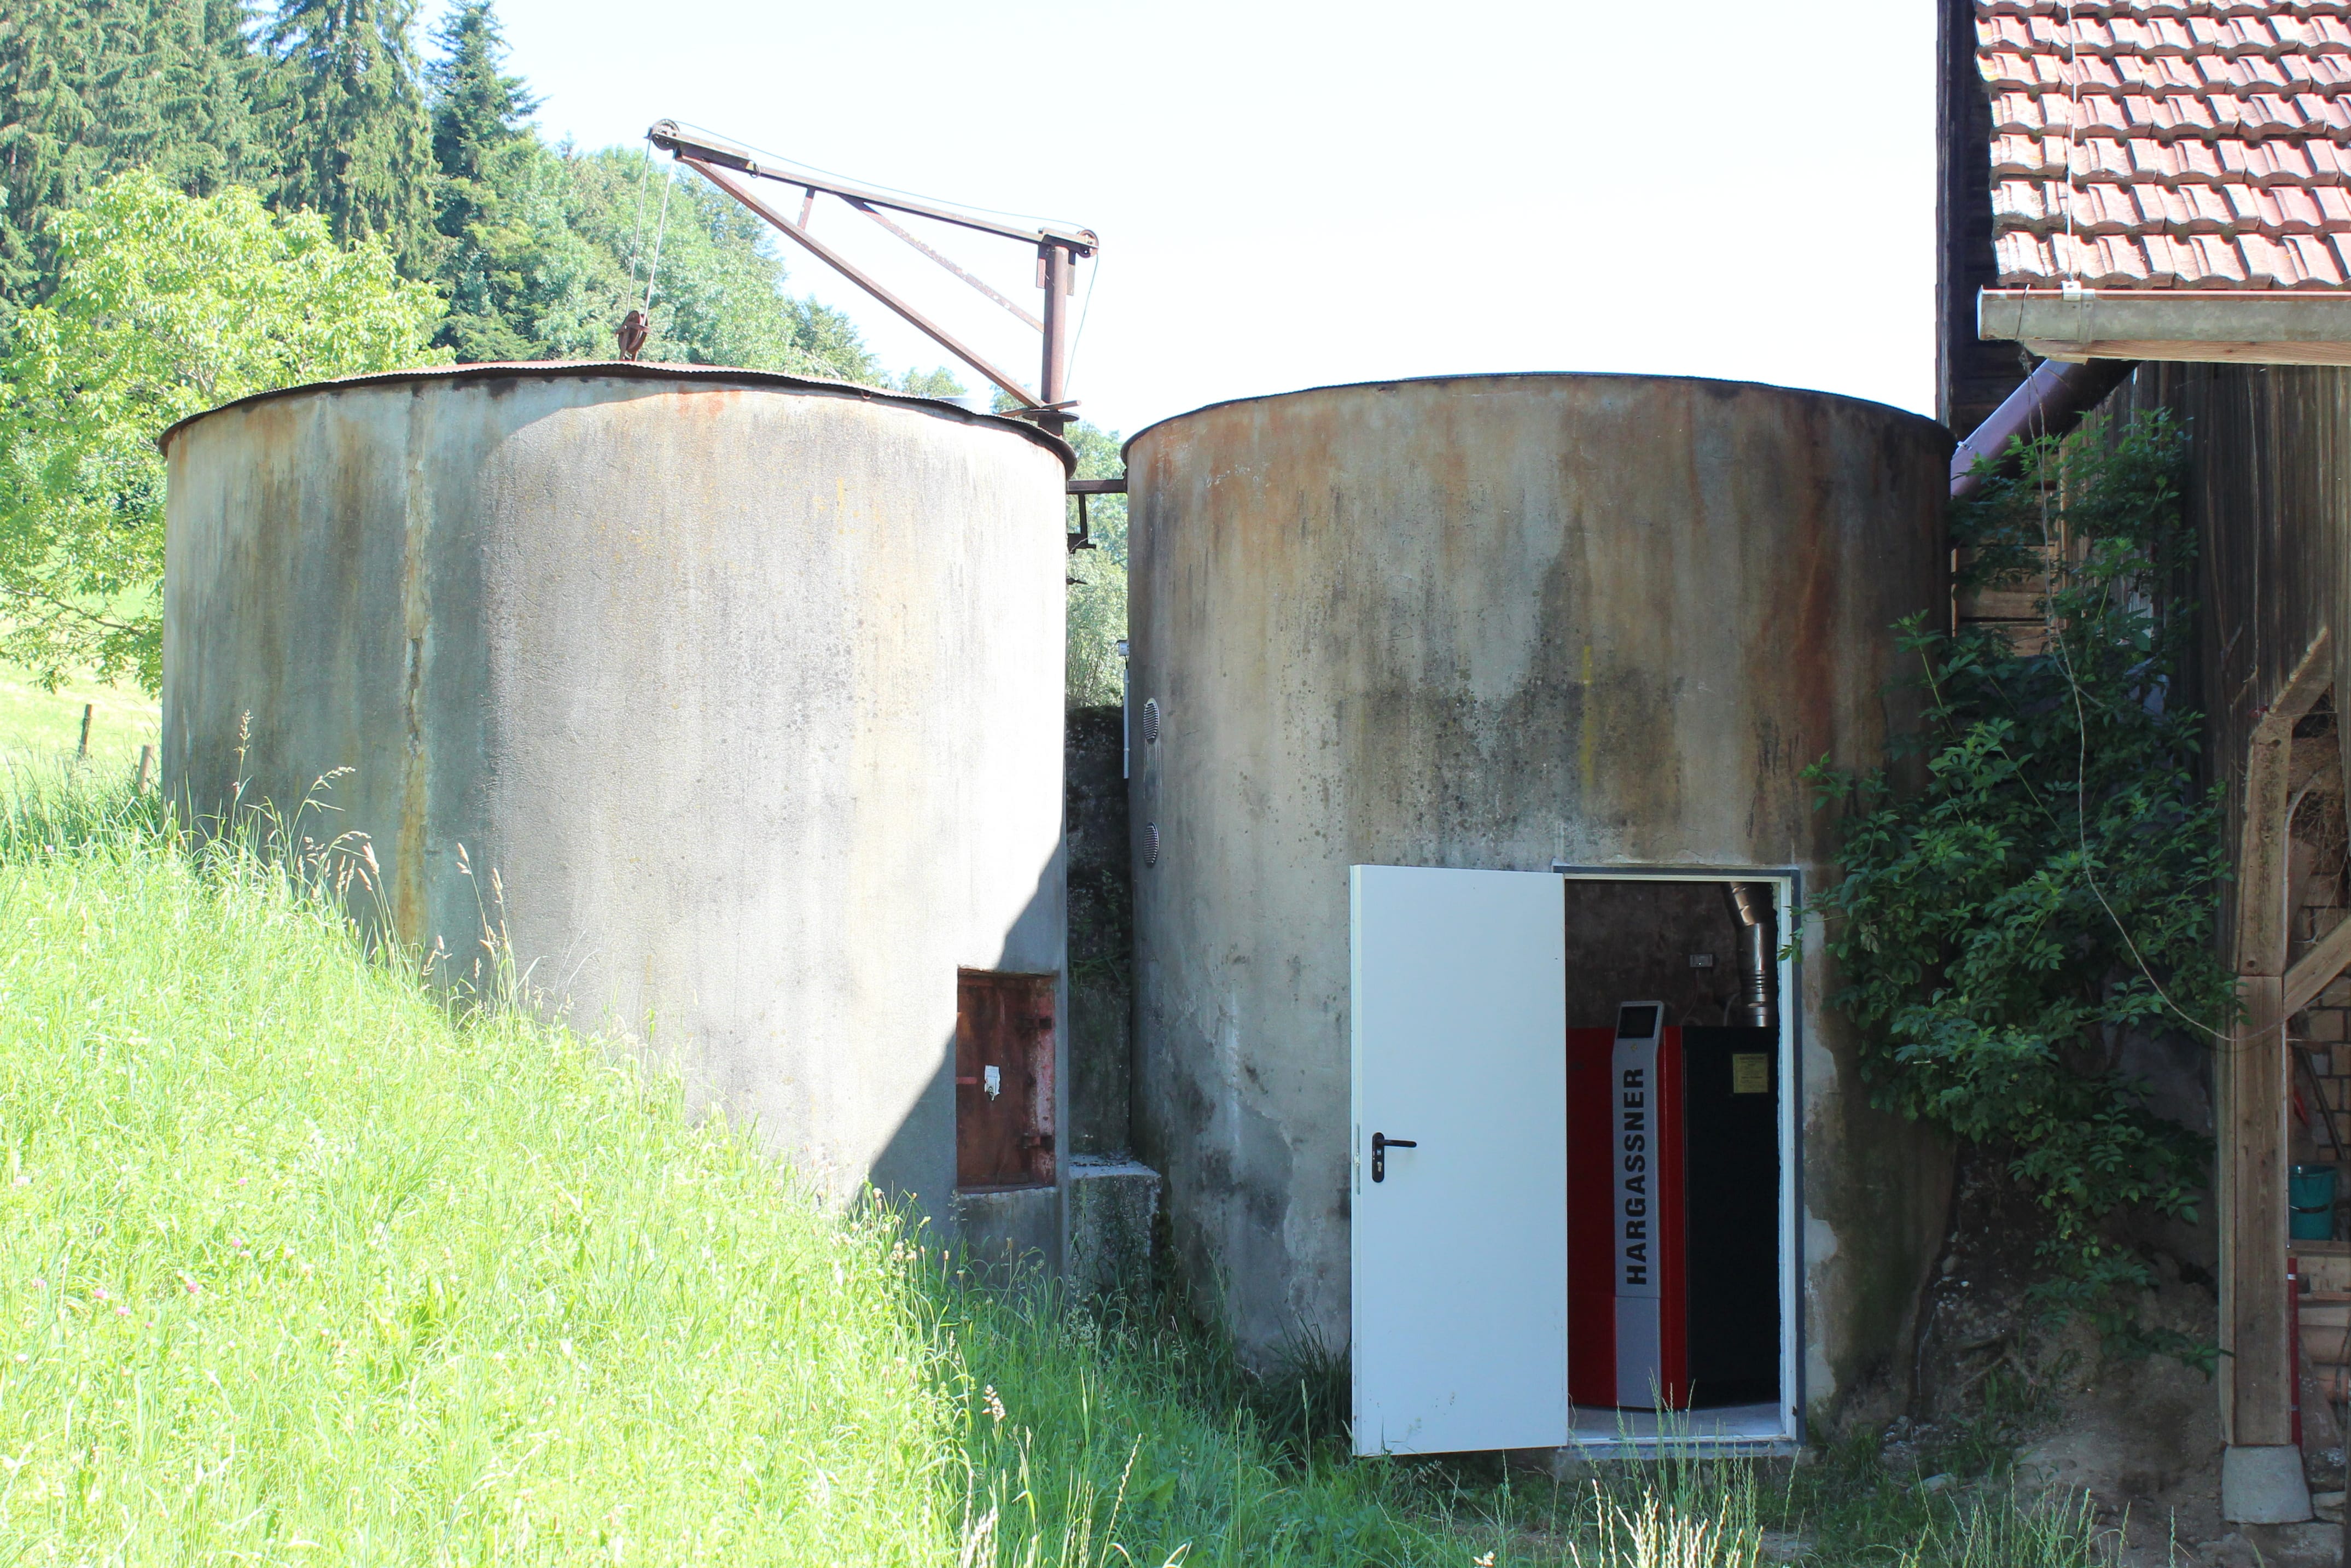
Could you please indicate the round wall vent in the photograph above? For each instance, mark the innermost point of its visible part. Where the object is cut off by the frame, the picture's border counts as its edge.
(1151, 843)
(1151, 720)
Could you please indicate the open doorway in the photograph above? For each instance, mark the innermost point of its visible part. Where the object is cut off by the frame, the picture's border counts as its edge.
(1681, 1142)
(1572, 1208)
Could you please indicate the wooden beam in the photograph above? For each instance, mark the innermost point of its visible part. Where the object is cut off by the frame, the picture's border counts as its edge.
(2316, 969)
(2260, 856)
(2254, 1085)
(2188, 351)
(2259, 1365)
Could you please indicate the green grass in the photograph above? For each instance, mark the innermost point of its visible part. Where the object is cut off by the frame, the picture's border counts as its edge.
(39, 725)
(299, 1265)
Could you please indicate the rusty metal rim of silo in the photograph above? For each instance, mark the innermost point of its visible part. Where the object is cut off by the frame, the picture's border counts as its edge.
(639, 371)
(1539, 376)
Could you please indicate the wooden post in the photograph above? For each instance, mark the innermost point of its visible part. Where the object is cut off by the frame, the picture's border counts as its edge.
(81, 753)
(2254, 1221)
(2253, 1085)
(146, 765)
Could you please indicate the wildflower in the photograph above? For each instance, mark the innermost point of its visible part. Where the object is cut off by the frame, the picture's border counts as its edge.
(1485, 1561)
(995, 1405)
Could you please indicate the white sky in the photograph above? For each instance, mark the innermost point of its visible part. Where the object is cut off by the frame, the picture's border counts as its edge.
(1292, 193)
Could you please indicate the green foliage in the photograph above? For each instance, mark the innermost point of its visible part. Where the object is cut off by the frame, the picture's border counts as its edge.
(166, 305)
(347, 110)
(938, 382)
(1097, 606)
(563, 244)
(2037, 881)
(539, 250)
(483, 146)
(91, 87)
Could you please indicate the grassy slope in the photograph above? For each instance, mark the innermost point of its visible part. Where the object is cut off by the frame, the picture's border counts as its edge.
(293, 1268)
(290, 1263)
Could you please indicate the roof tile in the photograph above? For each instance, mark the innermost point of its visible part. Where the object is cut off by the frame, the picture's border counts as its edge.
(2209, 211)
(2268, 263)
(2316, 262)
(2160, 143)
(2214, 260)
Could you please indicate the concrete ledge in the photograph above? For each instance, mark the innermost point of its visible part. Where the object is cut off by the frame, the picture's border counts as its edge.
(1112, 1203)
(1007, 1232)
(2273, 327)
(2264, 1485)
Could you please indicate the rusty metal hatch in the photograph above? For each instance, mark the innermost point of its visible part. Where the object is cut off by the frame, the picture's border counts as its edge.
(1004, 1080)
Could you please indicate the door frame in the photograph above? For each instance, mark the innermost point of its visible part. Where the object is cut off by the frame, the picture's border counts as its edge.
(1787, 893)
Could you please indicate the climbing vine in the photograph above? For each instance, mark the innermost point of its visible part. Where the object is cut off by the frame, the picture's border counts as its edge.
(2033, 879)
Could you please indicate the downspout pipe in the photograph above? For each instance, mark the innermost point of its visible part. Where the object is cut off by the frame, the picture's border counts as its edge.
(2051, 402)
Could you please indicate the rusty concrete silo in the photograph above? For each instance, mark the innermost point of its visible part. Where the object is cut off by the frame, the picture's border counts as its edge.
(747, 688)
(1586, 625)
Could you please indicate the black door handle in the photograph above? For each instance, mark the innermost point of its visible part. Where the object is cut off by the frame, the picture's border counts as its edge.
(1381, 1145)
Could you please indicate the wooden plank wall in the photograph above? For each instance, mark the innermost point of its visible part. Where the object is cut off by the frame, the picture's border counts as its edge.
(2271, 501)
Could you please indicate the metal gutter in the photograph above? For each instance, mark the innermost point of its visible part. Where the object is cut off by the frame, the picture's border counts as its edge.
(2239, 326)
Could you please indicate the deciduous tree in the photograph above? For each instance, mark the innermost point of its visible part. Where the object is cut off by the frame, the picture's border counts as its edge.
(165, 305)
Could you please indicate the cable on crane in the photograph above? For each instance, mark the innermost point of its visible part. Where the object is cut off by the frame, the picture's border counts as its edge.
(661, 230)
(1093, 275)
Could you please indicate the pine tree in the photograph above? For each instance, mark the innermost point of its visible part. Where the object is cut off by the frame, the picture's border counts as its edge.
(478, 110)
(209, 77)
(91, 87)
(483, 146)
(349, 110)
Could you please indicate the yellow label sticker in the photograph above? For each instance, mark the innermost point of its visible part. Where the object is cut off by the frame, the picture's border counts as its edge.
(1751, 1072)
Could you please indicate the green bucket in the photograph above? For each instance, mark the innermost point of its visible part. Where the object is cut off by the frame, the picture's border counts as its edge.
(2311, 1192)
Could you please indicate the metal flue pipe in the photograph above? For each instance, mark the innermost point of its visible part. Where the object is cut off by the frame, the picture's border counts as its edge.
(2051, 402)
(1753, 903)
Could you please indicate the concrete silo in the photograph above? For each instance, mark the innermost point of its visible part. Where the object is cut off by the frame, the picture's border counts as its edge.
(747, 688)
(1475, 707)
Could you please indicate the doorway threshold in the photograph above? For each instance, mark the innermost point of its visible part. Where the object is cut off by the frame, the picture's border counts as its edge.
(1598, 1433)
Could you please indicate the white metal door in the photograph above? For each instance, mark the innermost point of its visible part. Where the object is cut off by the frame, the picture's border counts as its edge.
(1459, 1047)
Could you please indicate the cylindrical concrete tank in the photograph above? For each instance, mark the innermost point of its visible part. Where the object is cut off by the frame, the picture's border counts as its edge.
(747, 688)
(1500, 622)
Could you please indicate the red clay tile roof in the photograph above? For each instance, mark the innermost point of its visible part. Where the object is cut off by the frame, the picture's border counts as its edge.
(2170, 143)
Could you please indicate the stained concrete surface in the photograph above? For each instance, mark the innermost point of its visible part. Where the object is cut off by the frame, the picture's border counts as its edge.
(1009, 1236)
(1497, 621)
(727, 706)
(1113, 1203)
